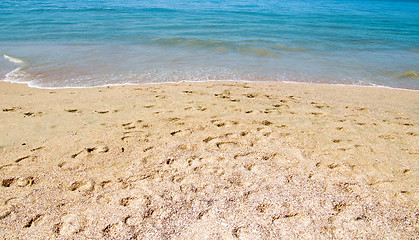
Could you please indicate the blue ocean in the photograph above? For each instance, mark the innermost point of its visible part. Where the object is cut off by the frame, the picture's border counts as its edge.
(77, 43)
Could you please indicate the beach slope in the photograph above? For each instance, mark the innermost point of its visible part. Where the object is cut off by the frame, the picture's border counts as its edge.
(210, 160)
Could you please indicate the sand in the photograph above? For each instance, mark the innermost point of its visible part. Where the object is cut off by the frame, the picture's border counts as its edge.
(212, 160)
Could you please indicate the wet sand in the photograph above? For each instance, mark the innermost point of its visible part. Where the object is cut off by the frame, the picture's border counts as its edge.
(212, 160)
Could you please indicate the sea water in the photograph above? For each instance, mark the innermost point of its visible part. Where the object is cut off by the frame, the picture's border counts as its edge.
(77, 43)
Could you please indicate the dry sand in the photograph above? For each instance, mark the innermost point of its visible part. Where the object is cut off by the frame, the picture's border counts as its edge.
(213, 160)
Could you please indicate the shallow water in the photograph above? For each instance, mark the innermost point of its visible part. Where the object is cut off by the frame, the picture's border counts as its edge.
(78, 43)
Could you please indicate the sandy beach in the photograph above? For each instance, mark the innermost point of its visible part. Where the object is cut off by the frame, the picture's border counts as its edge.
(209, 160)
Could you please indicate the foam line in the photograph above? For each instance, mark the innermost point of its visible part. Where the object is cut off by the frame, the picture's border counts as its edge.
(13, 59)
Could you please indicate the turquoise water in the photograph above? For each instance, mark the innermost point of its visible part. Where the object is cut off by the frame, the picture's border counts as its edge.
(76, 43)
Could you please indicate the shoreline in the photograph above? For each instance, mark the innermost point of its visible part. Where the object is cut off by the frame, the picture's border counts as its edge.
(260, 160)
(204, 81)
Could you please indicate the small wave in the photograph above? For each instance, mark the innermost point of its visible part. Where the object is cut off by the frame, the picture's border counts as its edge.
(13, 59)
(17, 75)
(408, 74)
(196, 42)
(259, 51)
(289, 49)
(216, 45)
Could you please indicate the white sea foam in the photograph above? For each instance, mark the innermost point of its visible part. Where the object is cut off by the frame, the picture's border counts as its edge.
(16, 75)
(13, 59)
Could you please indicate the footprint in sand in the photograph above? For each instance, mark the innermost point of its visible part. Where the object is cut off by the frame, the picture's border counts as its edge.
(250, 232)
(316, 113)
(101, 112)
(173, 119)
(244, 133)
(133, 220)
(28, 157)
(12, 109)
(175, 132)
(86, 186)
(208, 139)
(266, 123)
(98, 149)
(411, 151)
(360, 109)
(33, 114)
(225, 145)
(7, 182)
(224, 95)
(388, 137)
(126, 136)
(129, 127)
(102, 149)
(7, 166)
(71, 110)
(251, 95)
(36, 149)
(201, 108)
(118, 230)
(138, 202)
(333, 165)
(70, 224)
(5, 211)
(126, 124)
(218, 123)
(32, 221)
(25, 181)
